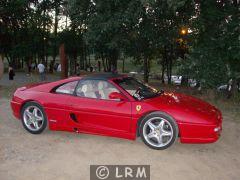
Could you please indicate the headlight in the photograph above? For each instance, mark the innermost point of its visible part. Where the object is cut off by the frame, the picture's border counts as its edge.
(216, 129)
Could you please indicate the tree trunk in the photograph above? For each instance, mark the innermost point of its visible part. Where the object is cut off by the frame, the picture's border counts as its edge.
(35, 61)
(123, 65)
(103, 62)
(46, 57)
(20, 65)
(89, 58)
(75, 60)
(113, 57)
(44, 38)
(170, 71)
(169, 63)
(163, 70)
(145, 67)
(108, 64)
(85, 56)
(81, 61)
(64, 62)
(1, 66)
(55, 37)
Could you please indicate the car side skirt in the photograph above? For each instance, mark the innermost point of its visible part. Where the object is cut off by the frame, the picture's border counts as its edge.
(116, 134)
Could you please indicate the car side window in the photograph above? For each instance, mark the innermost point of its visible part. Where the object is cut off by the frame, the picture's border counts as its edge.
(67, 88)
(98, 89)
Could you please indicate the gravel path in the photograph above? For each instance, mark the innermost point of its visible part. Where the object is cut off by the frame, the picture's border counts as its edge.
(22, 78)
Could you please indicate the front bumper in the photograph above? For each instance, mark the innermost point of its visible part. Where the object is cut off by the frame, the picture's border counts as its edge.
(16, 109)
(198, 133)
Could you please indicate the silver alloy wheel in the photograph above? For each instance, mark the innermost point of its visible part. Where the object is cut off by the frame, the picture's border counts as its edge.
(33, 118)
(158, 132)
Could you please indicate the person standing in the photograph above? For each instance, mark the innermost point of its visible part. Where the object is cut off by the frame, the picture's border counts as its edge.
(59, 68)
(11, 73)
(41, 70)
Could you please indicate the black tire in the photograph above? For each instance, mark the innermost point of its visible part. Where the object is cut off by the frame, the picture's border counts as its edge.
(167, 118)
(44, 122)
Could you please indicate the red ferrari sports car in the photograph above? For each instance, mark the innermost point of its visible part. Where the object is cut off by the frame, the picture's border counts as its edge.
(116, 105)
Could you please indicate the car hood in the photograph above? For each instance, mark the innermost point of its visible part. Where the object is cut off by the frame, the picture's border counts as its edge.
(186, 108)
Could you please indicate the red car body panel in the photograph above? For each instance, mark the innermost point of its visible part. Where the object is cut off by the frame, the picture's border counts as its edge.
(196, 119)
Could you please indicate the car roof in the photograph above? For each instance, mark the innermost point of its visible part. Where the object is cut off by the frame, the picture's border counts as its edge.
(103, 76)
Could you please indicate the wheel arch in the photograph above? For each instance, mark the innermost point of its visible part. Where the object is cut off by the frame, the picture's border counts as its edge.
(151, 112)
(27, 101)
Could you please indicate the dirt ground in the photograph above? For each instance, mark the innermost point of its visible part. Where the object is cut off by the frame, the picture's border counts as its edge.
(63, 155)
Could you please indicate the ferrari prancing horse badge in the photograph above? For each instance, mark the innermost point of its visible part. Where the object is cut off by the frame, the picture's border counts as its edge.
(138, 107)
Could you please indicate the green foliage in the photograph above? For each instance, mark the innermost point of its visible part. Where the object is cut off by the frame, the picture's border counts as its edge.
(71, 40)
(25, 27)
(143, 30)
(209, 70)
(215, 55)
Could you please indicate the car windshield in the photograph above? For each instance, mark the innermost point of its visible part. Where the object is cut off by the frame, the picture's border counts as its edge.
(137, 89)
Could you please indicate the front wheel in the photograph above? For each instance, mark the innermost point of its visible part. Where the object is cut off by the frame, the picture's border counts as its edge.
(158, 130)
(33, 118)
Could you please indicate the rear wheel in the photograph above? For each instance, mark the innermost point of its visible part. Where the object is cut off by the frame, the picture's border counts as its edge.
(33, 118)
(158, 130)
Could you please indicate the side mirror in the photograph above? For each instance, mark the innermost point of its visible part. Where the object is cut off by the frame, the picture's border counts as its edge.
(116, 96)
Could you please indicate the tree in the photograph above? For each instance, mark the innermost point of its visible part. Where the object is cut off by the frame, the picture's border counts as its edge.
(57, 7)
(215, 54)
(25, 29)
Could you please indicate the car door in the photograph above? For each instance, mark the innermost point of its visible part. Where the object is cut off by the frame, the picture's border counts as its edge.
(92, 111)
(56, 105)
